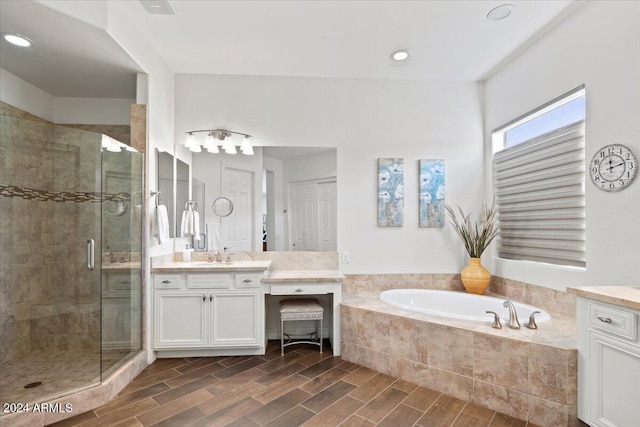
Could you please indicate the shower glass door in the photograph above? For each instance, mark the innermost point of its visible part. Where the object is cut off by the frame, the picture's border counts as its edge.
(50, 260)
(122, 171)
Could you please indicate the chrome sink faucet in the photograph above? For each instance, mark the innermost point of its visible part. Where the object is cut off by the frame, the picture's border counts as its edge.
(218, 256)
(513, 316)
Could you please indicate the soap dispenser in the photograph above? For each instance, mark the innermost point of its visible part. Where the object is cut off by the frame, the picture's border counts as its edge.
(186, 254)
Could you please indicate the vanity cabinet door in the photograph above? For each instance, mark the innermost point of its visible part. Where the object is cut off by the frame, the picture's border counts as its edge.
(615, 381)
(181, 319)
(237, 319)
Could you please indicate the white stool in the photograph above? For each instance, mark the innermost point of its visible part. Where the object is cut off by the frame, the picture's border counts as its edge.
(300, 309)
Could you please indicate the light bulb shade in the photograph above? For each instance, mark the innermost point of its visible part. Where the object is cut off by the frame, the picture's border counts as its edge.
(209, 142)
(195, 148)
(230, 150)
(248, 151)
(191, 141)
(213, 149)
(246, 144)
(228, 143)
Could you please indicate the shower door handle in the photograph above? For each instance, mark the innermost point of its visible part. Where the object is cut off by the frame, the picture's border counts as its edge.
(90, 254)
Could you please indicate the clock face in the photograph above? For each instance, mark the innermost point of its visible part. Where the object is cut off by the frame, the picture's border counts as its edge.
(613, 167)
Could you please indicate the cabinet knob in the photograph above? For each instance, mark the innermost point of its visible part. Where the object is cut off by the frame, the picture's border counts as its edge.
(298, 290)
(204, 297)
(166, 281)
(604, 319)
(247, 280)
(210, 297)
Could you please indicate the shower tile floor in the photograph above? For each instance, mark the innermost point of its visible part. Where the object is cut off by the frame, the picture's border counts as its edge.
(59, 372)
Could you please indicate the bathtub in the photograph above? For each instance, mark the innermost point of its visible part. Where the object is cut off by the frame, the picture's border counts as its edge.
(458, 305)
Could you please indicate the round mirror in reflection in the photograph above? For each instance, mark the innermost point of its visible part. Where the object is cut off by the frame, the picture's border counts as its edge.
(116, 207)
(222, 206)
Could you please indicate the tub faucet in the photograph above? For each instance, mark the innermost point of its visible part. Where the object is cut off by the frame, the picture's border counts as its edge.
(513, 316)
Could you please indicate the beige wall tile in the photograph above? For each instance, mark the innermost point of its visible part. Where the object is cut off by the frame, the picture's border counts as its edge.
(450, 383)
(553, 374)
(451, 349)
(501, 399)
(412, 371)
(501, 361)
(551, 414)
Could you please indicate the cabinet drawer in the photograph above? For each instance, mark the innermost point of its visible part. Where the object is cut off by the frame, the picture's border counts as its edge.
(614, 320)
(209, 281)
(248, 280)
(298, 288)
(167, 281)
(121, 281)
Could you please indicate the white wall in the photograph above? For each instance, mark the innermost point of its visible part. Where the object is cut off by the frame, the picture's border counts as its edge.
(21, 94)
(598, 45)
(365, 120)
(90, 111)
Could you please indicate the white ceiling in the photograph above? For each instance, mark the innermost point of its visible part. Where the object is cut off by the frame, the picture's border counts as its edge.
(450, 40)
(69, 58)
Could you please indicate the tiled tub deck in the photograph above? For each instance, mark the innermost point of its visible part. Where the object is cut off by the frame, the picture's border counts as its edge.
(528, 374)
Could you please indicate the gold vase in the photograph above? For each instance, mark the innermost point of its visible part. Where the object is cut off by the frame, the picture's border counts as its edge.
(475, 277)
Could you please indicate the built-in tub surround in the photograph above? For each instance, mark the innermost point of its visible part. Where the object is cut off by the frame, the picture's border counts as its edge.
(459, 305)
(528, 374)
(553, 301)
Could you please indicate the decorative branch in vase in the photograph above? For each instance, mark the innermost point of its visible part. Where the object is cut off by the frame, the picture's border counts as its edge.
(476, 237)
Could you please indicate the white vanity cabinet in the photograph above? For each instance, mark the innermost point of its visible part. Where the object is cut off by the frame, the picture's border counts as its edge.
(608, 364)
(208, 314)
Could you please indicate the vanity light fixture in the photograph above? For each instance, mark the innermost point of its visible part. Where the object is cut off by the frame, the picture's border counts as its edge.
(213, 138)
(400, 55)
(17, 39)
(500, 12)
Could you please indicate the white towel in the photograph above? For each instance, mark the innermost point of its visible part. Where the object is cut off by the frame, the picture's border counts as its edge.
(213, 236)
(162, 219)
(196, 225)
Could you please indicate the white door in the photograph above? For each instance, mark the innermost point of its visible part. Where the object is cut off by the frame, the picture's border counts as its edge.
(327, 215)
(303, 200)
(180, 319)
(235, 319)
(237, 228)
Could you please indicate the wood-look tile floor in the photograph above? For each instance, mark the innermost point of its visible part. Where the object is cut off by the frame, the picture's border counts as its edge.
(302, 388)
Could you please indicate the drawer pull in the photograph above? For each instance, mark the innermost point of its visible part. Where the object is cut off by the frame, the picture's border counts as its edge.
(247, 280)
(166, 281)
(210, 297)
(605, 319)
(298, 290)
(204, 297)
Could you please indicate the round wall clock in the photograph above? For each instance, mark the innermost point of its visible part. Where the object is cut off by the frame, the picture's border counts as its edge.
(613, 167)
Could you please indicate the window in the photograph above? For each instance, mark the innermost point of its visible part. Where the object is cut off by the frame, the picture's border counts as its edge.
(538, 171)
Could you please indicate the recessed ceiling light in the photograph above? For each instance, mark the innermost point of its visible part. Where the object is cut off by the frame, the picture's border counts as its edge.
(501, 12)
(400, 55)
(17, 39)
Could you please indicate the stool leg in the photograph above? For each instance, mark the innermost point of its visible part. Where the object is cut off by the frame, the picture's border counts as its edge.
(281, 337)
(320, 335)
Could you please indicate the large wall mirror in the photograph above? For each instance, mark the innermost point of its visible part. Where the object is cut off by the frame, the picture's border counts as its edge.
(284, 199)
(165, 186)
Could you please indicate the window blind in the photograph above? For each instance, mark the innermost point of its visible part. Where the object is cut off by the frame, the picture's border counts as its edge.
(539, 188)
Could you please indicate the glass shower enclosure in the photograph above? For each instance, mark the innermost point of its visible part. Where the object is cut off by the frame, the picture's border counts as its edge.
(70, 250)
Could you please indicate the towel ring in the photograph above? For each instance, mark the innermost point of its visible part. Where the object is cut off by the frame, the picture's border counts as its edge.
(194, 205)
(159, 197)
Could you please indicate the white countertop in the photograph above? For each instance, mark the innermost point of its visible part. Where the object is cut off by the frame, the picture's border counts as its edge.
(211, 267)
(284, 276)
(625, 296)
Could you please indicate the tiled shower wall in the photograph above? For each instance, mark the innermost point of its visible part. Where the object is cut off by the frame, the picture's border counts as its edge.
(49, 300)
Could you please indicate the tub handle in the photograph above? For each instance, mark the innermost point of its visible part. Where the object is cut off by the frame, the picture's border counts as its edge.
(532, 320)
(496, 320)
